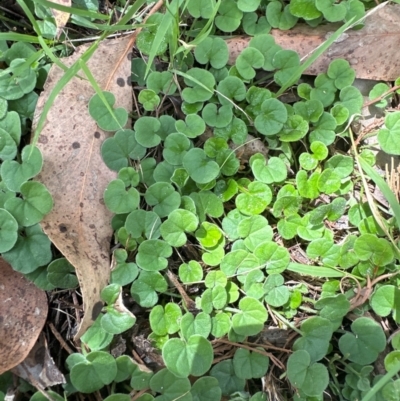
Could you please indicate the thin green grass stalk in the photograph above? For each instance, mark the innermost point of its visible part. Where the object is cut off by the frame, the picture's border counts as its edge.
(320, 271)
(18, 37)
(35, 57)
(108, 28)
(363, 165)
(132, 11)
(384, 188)
(73, 10)
(197, 82)
(41, 40)
(203, 34)
(69, 74)
(322, 48)
(97, 88)
(382, 382)
(162, 30)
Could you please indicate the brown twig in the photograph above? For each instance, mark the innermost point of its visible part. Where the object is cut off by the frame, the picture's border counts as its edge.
(58, 336)
(379, 98)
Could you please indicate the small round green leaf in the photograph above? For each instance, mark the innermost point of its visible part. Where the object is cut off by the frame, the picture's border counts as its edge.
(191, 357)
(250, 320)
(120, 200)
(14, 174)
(34, 205)
(213, 50)
(152, 255)
(8, 231)
(106, 117)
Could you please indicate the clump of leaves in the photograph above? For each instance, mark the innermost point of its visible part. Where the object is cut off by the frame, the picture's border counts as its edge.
(202, 233)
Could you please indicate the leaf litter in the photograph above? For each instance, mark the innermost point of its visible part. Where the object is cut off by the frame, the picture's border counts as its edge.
(74, 172)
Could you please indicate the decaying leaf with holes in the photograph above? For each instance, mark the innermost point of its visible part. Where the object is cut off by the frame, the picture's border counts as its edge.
(74, 172)
(23, 313)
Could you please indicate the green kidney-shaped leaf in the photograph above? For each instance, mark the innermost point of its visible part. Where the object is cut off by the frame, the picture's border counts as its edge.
(275, 258)
(377, 250)
(161, 82)
(120, 200)
(146, 131)
(229, 16)
(8, 231)
(272, 117)
(201, 8)
(144, 289)
(179, 221)
(386, 299)
(332, 11)
(195, 325)
(200, 168)
(200, 85)
(190, 272)
(254, 199)
(170, 387)
(141, 223)
(8, 147)
(117, 151)
(165, 320)
(61, 274)
(213, 50)
(107, 118)
(268, 172)
(32, 249)
(163, 198)
(365, 343)
(316, 336)
(312, 379)
(191, 357)
(152, 255)
(304, 9)
(206, 389)
(149, 99)
(249, 59)
(340, 71)
(98, 370)
(250, 365)
(389, 137)
(34, 205)
(14, 174)
(287, 63)
(116, 322)
(250, 320)
(192, 127)
(229, 383)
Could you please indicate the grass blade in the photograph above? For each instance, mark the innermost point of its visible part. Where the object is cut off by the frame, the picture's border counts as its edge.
(73, 10)
(384, 187)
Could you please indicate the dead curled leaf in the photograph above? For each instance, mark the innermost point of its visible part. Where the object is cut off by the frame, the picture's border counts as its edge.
(61, 17)
(74, 172)
(38, 368)
(23, 313)
(371, 51)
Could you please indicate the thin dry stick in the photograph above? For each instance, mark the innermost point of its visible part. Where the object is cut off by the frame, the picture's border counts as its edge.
(58, 336)
(379, 98)
(131, 42)
(258, 351)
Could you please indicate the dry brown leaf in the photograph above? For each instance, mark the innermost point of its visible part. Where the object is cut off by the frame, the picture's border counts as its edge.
(38, 368)
(74, 172)
(61, 17)
(371, 51)
(23, 312)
